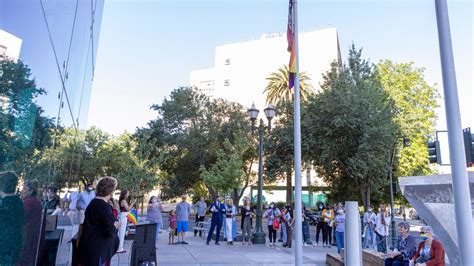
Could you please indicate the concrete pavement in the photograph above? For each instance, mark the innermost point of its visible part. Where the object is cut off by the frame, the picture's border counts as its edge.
(198, 253)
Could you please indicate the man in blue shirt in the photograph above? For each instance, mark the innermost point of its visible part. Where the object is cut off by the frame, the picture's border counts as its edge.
(183, 209)
(83, 200)
(217, 209)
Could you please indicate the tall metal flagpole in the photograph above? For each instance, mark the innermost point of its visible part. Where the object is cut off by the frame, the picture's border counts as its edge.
(297, 128)
(462, 198)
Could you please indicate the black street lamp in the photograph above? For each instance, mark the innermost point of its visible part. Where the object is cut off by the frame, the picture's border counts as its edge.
(406, 143)
(259, 235)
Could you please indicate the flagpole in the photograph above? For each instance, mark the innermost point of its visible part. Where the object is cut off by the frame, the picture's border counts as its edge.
(460, 179)
(297, 132)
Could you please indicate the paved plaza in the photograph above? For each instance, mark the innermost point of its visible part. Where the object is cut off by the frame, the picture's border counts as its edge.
(198, 253)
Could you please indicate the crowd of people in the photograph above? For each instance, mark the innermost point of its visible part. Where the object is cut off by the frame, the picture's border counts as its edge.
(100, 224)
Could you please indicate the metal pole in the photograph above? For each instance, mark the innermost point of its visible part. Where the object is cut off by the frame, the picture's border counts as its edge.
(297, 129)
(392, 202)
(352, 239)
(462, 198)
(392, 217)
(259, 235)
(308, 182)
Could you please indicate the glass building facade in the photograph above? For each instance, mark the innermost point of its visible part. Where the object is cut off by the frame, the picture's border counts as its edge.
(47, 60)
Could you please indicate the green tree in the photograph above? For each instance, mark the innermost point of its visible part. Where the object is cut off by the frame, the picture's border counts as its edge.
(24, 129)
(279, 148)
(350, 126)
(226, 173)
(186, 137)
(415, 103)
(277, 89)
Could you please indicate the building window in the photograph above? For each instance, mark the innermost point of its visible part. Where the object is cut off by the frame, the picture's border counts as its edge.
(227, 82)
(3, 50)
(227, 61)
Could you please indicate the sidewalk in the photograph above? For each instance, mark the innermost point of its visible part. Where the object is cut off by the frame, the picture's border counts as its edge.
(198, 253)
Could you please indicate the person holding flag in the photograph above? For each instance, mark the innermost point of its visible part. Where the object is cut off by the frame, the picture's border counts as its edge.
(124, 211)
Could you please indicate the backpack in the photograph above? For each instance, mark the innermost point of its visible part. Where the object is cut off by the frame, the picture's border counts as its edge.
(276, 224)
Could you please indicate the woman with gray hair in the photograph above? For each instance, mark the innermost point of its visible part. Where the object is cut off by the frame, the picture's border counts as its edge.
(430, 251)
(406, 247)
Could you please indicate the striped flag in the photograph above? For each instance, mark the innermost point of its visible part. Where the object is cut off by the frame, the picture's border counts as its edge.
(132, 216)
(290, 35)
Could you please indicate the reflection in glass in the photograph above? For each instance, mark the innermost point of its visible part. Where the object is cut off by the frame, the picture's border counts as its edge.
(47, 62)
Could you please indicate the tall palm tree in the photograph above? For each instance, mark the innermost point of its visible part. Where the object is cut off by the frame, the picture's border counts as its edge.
(277, 88)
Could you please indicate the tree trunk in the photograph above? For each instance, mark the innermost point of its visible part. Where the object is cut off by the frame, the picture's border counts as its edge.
(212, 191)
(363, 195)
(236, 196)
(368, 192)
(289, 187)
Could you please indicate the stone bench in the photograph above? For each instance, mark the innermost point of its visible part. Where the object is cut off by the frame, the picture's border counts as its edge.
(334, 259)
(369, 258)
(372, 257)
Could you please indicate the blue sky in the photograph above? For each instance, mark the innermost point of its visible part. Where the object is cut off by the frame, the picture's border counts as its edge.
(148, 48)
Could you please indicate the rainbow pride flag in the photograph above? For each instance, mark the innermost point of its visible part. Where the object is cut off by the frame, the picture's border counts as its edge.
(132, 216)
(331, 223)
(290, 35)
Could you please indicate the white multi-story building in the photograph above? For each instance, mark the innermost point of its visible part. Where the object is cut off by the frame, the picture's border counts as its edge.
(240, 69)
(10, 45)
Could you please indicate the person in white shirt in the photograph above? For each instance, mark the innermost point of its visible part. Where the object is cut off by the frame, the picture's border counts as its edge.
(70, 207)
(83, 200)
(369, 229)
(381, 228)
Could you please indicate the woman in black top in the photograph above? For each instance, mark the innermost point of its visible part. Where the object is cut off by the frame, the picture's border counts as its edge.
(97, 243)
(247, 212)
(124, 210)
(12, 217)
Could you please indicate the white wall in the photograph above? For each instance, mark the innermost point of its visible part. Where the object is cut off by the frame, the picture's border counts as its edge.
(203, 79)
(12, 43)
(251, 62)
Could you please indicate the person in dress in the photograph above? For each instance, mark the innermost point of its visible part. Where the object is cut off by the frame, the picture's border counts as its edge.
(97, 243)
(32, 207)
(153, 213)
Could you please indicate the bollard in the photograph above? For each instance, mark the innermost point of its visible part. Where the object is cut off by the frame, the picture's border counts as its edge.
(352, 239)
